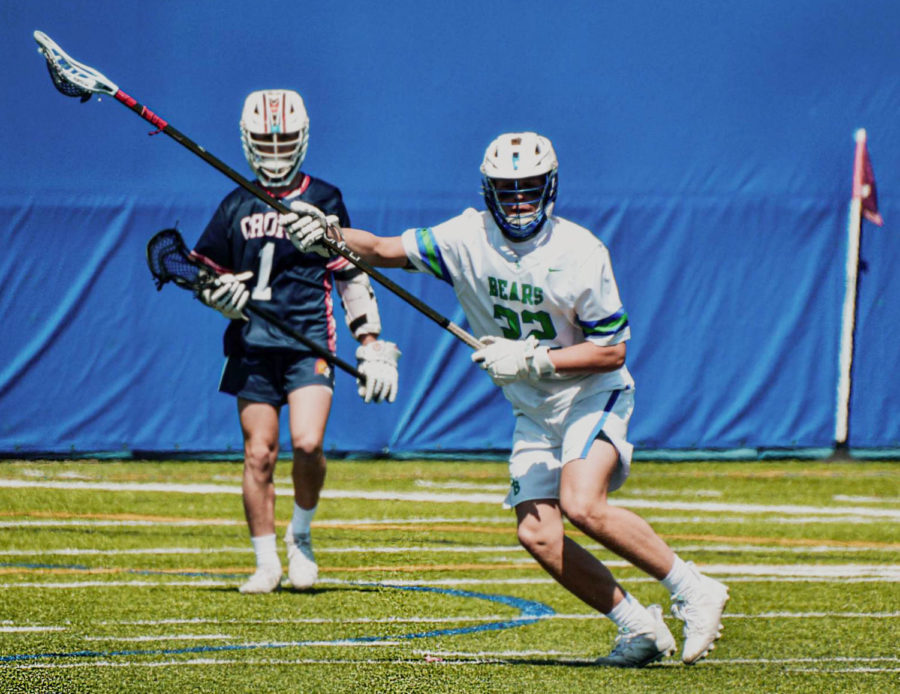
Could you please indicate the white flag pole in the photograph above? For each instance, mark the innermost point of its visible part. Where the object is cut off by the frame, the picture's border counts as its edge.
(848, 315)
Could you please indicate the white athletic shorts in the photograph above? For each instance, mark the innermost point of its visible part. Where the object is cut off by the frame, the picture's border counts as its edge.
(542, 447)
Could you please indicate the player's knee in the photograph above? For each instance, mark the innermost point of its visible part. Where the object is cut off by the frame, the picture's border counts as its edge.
(585, 511)
(538, 538)
(260, 458)
(307, 448)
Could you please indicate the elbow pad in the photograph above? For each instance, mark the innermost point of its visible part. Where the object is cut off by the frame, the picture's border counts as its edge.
(359, 303)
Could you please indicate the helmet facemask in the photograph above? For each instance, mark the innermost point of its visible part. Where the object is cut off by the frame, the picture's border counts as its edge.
(520, 206)
(275, 134)
(519, 183)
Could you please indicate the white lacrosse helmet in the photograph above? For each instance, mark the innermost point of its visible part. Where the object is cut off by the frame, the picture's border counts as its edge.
(519, 181)
(275, 133)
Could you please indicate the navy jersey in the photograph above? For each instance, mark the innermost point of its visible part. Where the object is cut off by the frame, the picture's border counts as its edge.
(244, 234)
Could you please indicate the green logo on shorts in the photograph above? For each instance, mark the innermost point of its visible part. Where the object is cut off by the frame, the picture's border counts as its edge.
(515, 487)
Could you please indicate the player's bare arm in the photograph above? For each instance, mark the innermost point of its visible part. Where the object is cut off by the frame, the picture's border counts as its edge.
(588, 358)
(507, 361)
(381, 251)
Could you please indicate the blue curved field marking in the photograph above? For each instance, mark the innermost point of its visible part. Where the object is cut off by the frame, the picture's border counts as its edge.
(530, 611)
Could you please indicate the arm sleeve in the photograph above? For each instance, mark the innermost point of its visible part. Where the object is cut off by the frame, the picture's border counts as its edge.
(436, 250)
(425, 253)
(598, 309)
(359, 303)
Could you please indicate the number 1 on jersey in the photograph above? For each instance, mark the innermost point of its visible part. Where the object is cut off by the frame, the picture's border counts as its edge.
(262, 291)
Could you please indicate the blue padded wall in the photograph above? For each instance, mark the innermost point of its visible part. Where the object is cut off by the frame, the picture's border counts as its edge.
(709, 145)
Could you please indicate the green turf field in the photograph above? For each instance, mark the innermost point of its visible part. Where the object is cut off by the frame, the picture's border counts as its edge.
(122, 577)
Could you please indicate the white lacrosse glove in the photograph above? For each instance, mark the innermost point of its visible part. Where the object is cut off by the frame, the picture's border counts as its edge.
(228, 295)
(378, 363)
(508, 361)
(306, 226)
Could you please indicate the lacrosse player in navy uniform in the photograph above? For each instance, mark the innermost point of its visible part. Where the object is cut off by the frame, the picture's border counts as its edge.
(265, 368)
(541, 291)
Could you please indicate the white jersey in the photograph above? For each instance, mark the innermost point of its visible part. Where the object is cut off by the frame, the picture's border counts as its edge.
(558, 286)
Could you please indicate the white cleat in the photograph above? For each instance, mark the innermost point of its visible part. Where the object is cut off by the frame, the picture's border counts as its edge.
(640, 649)
(701, 611)
(264, 580)
(302, 569)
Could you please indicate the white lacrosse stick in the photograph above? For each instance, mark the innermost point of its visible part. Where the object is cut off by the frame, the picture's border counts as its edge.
(73, 78)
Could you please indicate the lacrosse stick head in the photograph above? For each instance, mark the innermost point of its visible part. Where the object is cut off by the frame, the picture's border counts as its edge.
(170, 261)
(69, 76)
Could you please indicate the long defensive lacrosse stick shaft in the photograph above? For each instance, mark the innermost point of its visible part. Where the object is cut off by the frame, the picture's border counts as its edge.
(312, 345)
(80, 80)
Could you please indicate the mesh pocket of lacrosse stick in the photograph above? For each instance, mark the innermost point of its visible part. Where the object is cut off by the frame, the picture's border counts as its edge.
(65, 86)
(170, 261)
(69, 76)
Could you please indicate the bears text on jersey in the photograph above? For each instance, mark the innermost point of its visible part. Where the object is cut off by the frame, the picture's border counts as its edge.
(510, 290)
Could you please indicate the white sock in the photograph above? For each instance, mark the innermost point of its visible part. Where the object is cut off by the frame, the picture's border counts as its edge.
(266, 550)
(631, 615)
(302, 519)
(681, 578)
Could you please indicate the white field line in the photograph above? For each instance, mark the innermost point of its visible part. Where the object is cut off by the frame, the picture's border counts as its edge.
(733, 573)
(284, 490)
(68, 585)
(710, 507)
(442, 659)
(194, 662)
(846, 570)
(649, 491)
(769, 519)
(712, 661)
(52, 523)
(844, 670)
(196, 621)
(638, 579)
(764, 549)
(866, 499)
(457, 619)
(459, 486)
(638, 492)
(890, 571)
(506, 520)
(163, 637)
(762, 615)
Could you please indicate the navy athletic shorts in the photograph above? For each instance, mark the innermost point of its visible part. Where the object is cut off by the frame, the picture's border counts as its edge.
(270, 375)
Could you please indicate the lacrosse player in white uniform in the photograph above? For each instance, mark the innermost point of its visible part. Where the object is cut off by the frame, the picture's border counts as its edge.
(540, 290)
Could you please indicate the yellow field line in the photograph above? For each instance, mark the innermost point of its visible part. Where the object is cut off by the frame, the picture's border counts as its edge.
(782, 541)
(760, 474)
(401, 568)
(412, 568)
(462, 528)
(66, 515)
(437, 527)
